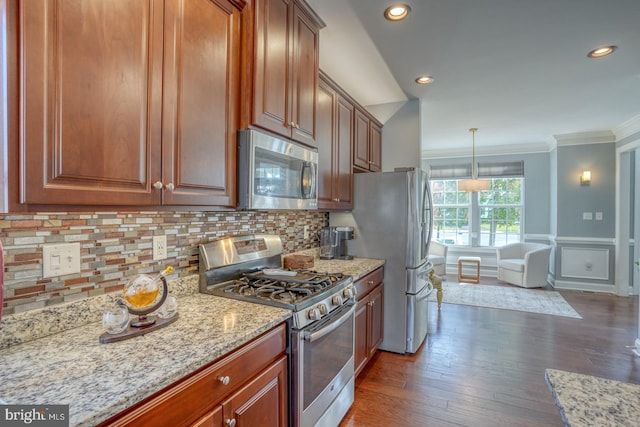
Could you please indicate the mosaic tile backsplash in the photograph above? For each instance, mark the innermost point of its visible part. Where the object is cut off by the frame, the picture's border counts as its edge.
(115, 246)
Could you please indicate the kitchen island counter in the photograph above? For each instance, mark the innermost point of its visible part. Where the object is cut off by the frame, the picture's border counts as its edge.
(101, 380)
(584, 400)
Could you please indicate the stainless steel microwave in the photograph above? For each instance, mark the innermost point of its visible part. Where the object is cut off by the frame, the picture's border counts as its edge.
(275, 173)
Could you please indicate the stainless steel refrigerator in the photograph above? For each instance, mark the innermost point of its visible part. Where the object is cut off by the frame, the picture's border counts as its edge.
(392, 219)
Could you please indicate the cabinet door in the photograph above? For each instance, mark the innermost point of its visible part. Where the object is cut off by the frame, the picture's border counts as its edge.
(361, 142)
(261, 402)
(343, 173)
(201, 86)
(361, 352)
(305, 63)
(272, 73)
(91, 90)
(376, 319)
(325, 141)
(375, 147)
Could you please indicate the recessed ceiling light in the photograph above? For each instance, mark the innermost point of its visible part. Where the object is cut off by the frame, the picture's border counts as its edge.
(601, 51)
(397, 12)
(424, 80)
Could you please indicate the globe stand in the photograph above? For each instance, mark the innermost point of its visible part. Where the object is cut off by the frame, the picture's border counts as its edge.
(143, 324)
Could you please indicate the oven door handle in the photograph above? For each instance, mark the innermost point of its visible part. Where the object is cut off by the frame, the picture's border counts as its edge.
(312, 336)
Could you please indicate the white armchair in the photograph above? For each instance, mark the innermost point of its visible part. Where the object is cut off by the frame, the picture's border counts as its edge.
(524, 264)
(438, 257)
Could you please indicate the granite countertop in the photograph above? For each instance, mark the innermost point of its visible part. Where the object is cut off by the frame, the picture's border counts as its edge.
(53, 355)
(101, 380)
(584, 400)
(357, 267)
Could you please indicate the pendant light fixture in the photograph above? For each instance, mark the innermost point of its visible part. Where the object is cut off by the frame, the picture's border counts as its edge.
(474, 184)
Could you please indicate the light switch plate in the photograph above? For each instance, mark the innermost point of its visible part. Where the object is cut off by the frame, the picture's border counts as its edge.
(598, 216)
(587, 216)
(60, 259)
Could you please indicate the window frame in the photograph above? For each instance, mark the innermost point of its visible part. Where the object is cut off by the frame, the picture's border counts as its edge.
(475, 207)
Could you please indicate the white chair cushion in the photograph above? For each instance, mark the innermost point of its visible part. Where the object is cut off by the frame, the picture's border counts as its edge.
(436, 259)
(512, 264)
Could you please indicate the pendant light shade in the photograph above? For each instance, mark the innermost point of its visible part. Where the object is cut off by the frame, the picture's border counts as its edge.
(473, 185)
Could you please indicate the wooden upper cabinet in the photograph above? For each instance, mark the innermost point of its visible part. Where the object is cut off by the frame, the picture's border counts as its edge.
(91, 91)
(286, 61)
(375, 146)
(361, 142)
(335, 115)
(367, 148)
(200, 109)
(121, 95)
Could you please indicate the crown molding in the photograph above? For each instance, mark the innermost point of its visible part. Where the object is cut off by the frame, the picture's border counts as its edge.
(583, 138)
(627, 128)
(493, 150)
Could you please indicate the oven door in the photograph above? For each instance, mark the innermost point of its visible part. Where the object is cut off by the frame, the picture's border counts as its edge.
(323, 369)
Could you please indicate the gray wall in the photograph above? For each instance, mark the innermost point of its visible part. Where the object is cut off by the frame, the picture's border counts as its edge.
(574, 199)
(401, 136)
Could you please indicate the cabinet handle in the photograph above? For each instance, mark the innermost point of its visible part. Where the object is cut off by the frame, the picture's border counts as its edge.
(231, 422)
(158, 185)
(369, 282)
(224, 380)
(292, 124)
(170, 186)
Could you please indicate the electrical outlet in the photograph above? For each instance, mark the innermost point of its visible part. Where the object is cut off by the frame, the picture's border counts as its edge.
(159, 247)
(60, 259)
(305, 232)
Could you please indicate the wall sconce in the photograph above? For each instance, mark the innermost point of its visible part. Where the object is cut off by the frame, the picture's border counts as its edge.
(585, 178)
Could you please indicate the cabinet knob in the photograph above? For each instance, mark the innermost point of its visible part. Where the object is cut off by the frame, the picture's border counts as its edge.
(158, 185)
(224, 380)
(369, 282)
(292, 124)
(170, 186)
(231, 422)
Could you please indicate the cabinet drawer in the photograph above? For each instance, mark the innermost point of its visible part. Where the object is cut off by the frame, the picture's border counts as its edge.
(187, 400)
(365, 284)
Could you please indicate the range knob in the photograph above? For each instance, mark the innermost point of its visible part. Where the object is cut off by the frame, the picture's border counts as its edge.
(336, 300)
(349, 292)
(323, 309)
(314, 314)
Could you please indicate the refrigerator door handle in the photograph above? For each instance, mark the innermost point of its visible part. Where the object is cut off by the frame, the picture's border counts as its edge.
(426, 291)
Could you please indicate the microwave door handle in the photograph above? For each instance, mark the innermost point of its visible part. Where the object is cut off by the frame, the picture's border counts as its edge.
(305, 190)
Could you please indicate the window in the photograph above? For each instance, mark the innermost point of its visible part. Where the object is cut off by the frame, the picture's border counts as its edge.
(488, 218)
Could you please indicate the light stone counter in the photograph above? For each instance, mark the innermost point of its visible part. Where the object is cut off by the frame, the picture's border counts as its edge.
(584, 400)
(53, 355)
(356, 267)
(101, 380)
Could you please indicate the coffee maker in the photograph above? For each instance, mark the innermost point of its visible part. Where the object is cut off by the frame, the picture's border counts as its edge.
(343, 234)
(333, 242)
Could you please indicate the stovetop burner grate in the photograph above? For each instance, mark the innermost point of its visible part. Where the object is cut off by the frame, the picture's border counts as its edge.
(286, 289)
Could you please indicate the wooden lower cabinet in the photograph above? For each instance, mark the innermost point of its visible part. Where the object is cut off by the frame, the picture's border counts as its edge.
(369, 317)
(261, 402)
(248, 387)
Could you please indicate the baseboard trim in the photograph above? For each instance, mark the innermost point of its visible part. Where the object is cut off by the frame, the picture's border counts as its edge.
(608, 288)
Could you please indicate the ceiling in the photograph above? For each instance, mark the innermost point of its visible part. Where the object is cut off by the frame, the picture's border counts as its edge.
(516, 69)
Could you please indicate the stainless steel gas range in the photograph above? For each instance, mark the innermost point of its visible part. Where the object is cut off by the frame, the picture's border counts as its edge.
(321, 330)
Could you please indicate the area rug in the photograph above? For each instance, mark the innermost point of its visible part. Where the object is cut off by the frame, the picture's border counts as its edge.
(508, 298)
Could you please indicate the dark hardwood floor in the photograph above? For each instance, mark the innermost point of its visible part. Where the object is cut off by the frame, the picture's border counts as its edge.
(485, 367)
